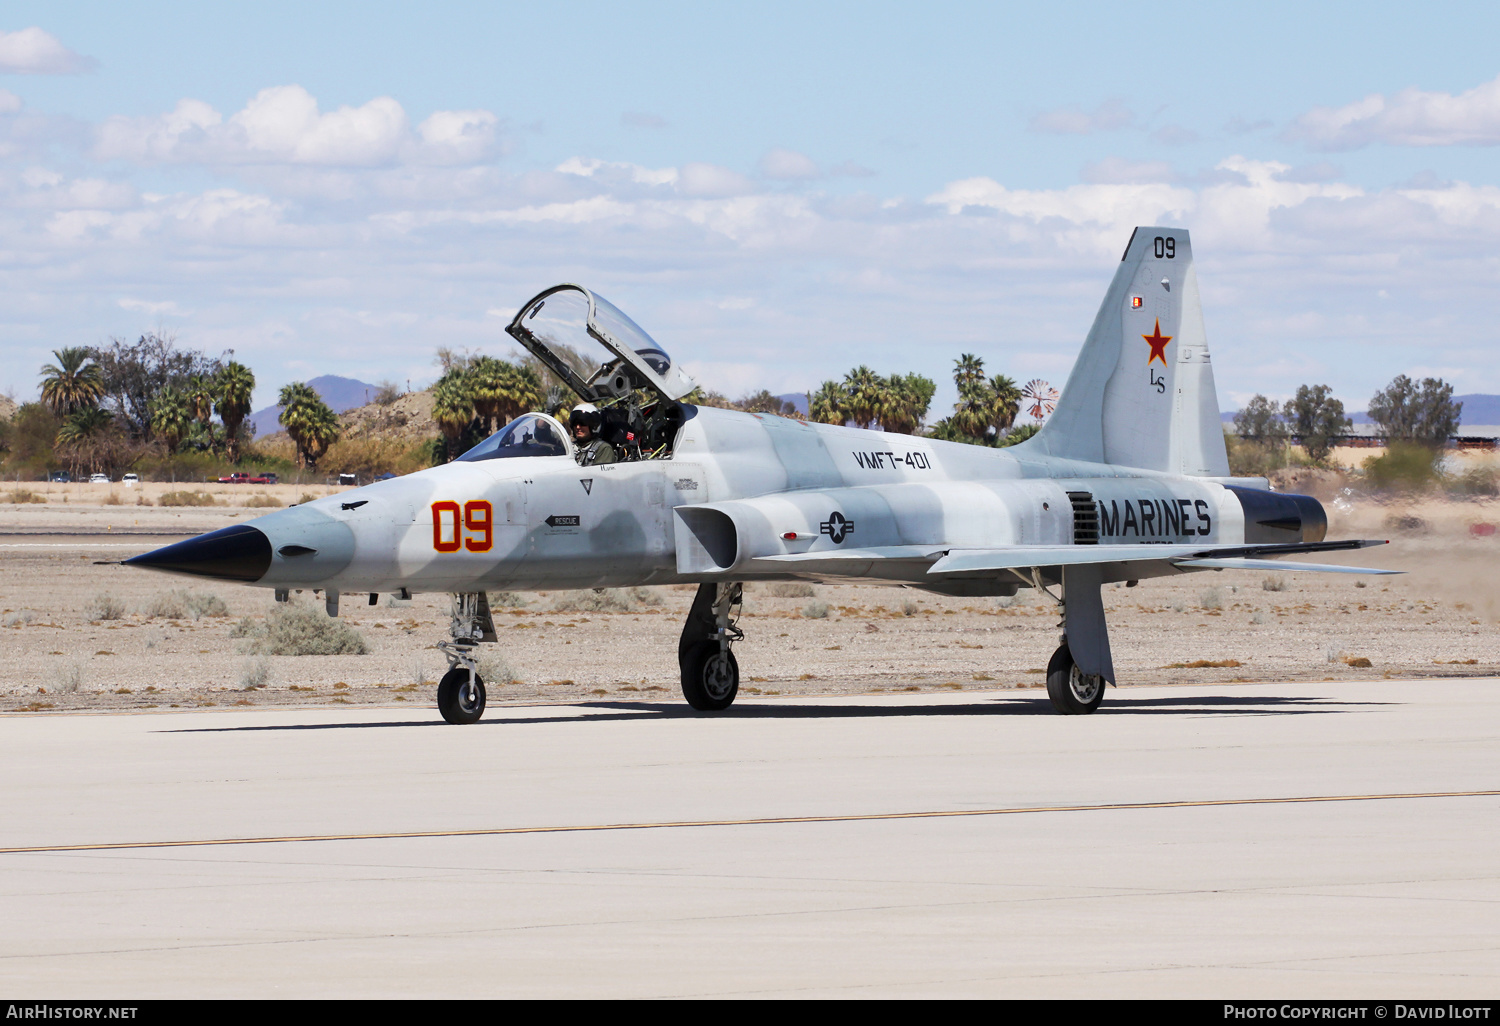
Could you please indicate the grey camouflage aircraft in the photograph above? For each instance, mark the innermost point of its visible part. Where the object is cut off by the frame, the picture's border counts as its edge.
(1127, 480)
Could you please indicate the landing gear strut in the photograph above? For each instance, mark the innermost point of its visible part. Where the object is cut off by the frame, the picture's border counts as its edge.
(461, 691)
(710, 673)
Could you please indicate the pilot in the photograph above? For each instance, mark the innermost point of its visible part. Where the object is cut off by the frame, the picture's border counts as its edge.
(589, 448)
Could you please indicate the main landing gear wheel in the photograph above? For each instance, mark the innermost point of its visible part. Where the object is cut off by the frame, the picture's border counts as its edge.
(1073, 692)
(458, 699)
(710, 677)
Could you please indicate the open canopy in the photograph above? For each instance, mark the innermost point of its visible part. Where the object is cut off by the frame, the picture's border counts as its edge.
(589, 343)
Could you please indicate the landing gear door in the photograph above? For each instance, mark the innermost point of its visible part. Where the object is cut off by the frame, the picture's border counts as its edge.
(589, 343)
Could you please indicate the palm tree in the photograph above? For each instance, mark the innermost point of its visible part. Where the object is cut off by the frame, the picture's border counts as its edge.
(312, 426)
(826, 405)
(1007, 401)
(73, 383)
(452, 408)
(170, 417)
(80, 433)
(521, 391)
(865, 391)
(200, 397)
(968, 371)
(907, 399)
(233, 388)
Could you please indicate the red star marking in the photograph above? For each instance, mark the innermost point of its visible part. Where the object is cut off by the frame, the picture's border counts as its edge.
(1158, 344)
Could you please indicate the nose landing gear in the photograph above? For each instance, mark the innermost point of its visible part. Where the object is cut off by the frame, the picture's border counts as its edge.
(461, 695)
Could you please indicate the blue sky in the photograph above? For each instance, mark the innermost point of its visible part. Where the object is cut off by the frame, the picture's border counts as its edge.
(777, 191)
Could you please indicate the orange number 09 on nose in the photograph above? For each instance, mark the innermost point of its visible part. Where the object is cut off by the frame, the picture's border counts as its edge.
(472, 527)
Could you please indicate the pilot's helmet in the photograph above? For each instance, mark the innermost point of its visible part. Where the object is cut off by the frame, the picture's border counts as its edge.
(586, 414)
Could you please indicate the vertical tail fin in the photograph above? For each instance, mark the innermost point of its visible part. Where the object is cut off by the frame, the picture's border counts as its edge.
(1142, 392)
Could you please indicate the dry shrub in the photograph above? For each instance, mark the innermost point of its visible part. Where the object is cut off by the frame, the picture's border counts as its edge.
(1358, 662)
(104, 606)
(186, 499)
(1204, 664)
(113, 499)
(506, 599)
(255, 673)
(1211, 598)
(791, 589)
(262, 501)
(293, 628)
(495, 671)
(24, 495)
(815, 610)
(1274, 582)
(180, 604)
(605, 600)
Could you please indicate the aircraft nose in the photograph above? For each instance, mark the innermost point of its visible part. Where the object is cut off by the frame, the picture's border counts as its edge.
(238, 553)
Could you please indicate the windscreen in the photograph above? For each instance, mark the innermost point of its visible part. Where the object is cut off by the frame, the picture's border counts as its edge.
(530, 434)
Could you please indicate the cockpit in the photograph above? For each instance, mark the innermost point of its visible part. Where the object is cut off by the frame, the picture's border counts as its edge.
(606, 359)
(530, 434)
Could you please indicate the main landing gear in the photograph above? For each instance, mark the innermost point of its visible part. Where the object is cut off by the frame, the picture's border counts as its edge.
(460, 693)
(710, 673)
(1072, 691)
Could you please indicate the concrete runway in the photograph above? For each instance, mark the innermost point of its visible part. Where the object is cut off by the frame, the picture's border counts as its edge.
(1204, 881)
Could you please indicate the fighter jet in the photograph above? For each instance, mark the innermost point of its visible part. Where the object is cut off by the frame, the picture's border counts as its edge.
(1127, 480)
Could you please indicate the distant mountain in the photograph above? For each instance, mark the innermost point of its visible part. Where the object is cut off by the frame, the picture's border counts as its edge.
(1479, 408)
(339, 393)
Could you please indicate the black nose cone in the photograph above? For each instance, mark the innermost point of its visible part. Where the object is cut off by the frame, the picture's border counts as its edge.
(239, 553)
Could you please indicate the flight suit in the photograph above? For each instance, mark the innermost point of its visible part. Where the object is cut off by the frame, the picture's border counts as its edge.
(596, 451)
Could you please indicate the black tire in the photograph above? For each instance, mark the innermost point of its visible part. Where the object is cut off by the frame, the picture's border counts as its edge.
(710, 678)
(1072, 693)
(455, 700)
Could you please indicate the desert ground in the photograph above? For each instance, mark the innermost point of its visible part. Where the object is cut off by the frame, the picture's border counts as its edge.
(79, 634)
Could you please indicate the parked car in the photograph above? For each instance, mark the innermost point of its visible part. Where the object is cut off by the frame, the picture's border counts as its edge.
(60, 477)
(130, 480)
(348, 479)
(238, 477)
(98, 479)
(265, 478)
(387, 476)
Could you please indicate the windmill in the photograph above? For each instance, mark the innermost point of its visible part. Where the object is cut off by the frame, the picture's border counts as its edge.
(1040, 398)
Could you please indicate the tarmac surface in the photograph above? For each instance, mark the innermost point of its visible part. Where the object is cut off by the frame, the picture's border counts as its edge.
(1231, 841)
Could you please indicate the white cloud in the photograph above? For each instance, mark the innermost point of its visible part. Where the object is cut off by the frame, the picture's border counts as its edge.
(460, 136)
(1408, 118)
(712, 181)
(154, 309)
(788, 165)
(606, 170)
(283, 125)
(1119, 170)
(1073, 120)
(9, 102)
(32, 51)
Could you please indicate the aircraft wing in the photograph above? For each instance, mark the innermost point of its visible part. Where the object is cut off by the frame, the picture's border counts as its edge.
(1218, 557)
(946, 561)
